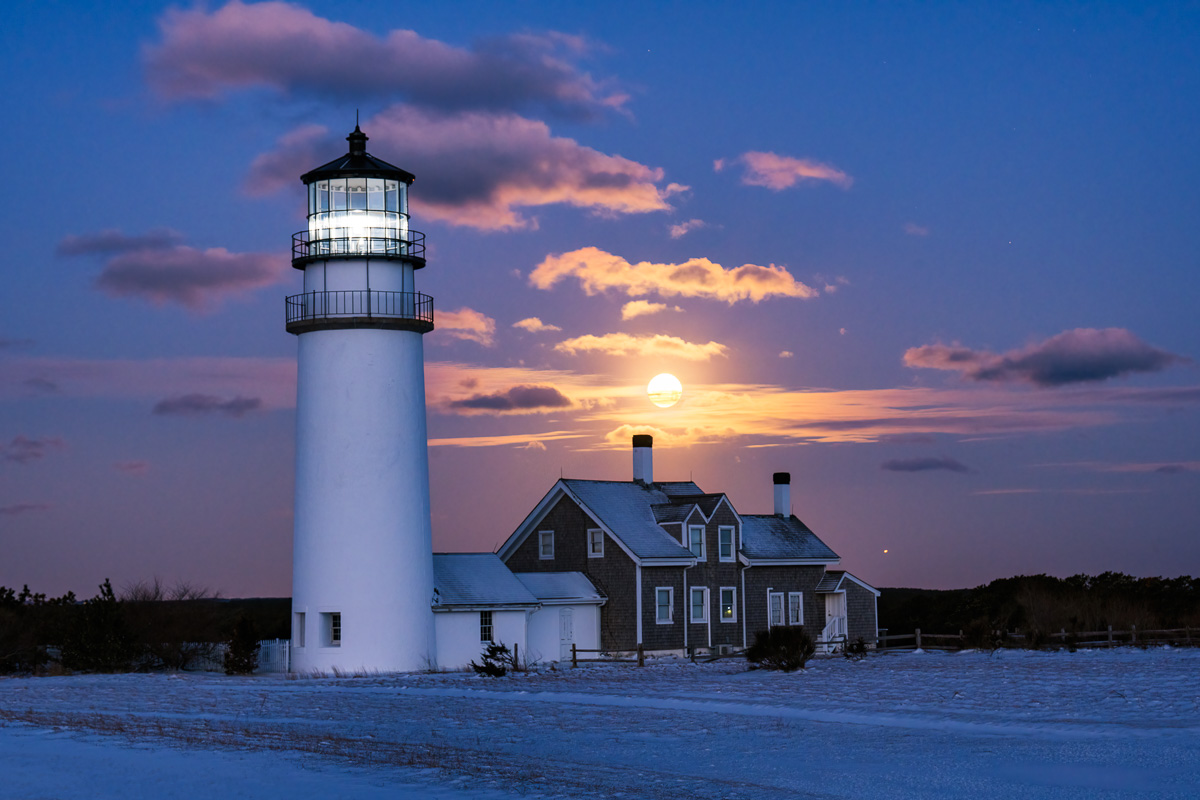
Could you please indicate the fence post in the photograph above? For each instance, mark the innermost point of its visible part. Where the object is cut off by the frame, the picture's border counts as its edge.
(1133, 633)
(641, 656)
(1187, 633)
(574, 657)
(1110, 635)
(516, 655)
(918, 636)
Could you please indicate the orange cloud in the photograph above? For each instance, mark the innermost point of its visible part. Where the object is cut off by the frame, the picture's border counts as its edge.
(640, 308)
(467, 323)
(659, 345)
(684, 228)
(598, 271)
(778, 172)
(535, 325)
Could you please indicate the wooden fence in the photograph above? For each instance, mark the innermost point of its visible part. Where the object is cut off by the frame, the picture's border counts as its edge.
(640, 660)
(1063, 638)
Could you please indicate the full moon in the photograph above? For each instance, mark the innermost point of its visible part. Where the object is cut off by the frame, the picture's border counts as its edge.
(664, 390)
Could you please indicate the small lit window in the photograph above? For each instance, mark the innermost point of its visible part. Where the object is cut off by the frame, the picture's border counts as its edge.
(795, 608)
(596, 543)
(725, 542)
(699, 605)
(545, 545)
(696, 540)
(485, 626)
(728, 604)
(664, 601)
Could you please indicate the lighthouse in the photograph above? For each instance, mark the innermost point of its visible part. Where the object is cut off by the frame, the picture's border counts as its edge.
(362, 577)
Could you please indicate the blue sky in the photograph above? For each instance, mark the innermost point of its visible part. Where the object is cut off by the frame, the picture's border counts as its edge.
(937, 261)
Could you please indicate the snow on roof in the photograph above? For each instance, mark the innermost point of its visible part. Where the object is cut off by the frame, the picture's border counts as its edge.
(770, 537)
(559, 586)
(477, 579)
(626, 509)
(671, 512)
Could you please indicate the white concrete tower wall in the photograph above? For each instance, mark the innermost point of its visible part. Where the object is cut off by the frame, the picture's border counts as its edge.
(362, 582)
(363, 544)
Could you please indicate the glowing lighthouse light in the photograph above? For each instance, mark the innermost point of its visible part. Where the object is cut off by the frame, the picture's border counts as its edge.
(664, 390)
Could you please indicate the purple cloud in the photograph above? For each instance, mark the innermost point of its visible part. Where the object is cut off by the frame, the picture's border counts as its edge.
(1077, 356)
(197, 404)
(41, 385)
(22, 508)
(926, 464)
(479, 169)
(132, 467)
(23, 450)
(280, 46)
(518, 398)
(112, 241)
(195, 279)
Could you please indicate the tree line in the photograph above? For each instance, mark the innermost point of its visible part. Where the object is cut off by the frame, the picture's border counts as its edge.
(148, 626)
(1043, 604)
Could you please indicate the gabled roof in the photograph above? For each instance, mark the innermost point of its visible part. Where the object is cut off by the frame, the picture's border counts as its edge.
(557, 587)
(770, 537)
(671, 513)
(626, 510)
(707, 502)
(477, 579)
(834, 580)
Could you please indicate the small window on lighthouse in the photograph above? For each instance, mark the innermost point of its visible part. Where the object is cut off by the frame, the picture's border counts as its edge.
(331, 629)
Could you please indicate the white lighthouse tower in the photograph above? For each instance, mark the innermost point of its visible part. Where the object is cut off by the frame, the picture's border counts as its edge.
(362, 578)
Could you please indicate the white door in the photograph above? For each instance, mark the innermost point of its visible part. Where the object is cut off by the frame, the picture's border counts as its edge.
(835, 615)
(566, 632)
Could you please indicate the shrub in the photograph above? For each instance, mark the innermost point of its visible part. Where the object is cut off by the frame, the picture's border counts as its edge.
(241, 657)
(98, 639)
(783, 648)
(496, 660)
(856, 650)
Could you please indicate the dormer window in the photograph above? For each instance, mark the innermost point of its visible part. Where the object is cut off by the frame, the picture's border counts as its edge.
(725, 542)
(696, 540)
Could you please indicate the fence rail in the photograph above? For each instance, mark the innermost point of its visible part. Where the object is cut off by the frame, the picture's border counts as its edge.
(1062, 638)
(640, 660)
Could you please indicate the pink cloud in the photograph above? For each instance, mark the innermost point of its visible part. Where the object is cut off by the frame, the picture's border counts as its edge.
(684, 228)
(469, 324)
(132, 467)
(289, 49)
(642, 308)
(1081, 355)
(778, 172)
(479, 169)
(598, 271)
(22, 508)
(913, 229)
(535, 325)
(657, 346)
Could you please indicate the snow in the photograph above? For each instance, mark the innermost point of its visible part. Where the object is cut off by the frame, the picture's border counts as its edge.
(1097, 724)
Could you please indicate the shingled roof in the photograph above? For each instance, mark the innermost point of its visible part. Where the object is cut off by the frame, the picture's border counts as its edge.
(477, 579)
(626, 508)
(770, 537)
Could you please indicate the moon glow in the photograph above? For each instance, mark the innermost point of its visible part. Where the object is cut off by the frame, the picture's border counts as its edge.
(664, 390)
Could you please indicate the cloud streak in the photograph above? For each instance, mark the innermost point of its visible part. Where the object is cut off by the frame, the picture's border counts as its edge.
(641, 308)
(1082, 355)
(288, 49)
(926, 464)
(24, 450)
(535, 325)
(22, 508)
(778, 172)
(598, 271)
(480, 169)
(658, 345)
(204, 404)
(519, 399)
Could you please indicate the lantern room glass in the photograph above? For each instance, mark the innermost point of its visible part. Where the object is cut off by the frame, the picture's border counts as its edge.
(358, 215)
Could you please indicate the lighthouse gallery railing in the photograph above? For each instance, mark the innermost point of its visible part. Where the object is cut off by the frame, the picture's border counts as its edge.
(365, 303)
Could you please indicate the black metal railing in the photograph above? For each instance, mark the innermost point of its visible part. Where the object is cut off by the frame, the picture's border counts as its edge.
(383, 242)
(315, 308)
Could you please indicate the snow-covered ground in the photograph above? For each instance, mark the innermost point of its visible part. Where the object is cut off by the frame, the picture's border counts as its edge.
(1122, 723)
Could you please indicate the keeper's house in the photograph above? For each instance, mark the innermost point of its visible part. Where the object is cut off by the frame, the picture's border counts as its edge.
(681, 570)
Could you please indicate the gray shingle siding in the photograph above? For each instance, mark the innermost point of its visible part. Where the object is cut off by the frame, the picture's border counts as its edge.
(860, 612)
(783, 579)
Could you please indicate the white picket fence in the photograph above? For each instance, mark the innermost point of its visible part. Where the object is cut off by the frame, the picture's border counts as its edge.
(274, 655)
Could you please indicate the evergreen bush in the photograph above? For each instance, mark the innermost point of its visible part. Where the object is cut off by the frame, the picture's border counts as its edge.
(241, 654)
(782, 647)
(496, 660)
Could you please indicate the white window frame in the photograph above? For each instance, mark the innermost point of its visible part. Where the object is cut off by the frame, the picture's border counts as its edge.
(298, 629)
(331, 628)
(595, 543)
(699, 556)
(545, 538)
(795, 602)
(658, 590)
(487, 625)
(732, 603)
(721, 530)
(703, 591)
(771, 598)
